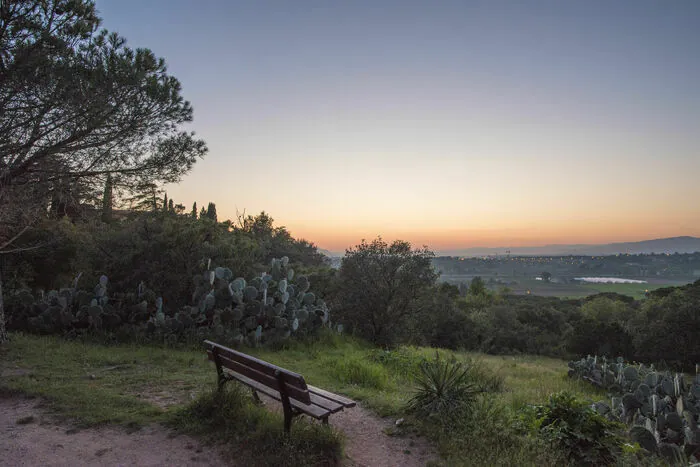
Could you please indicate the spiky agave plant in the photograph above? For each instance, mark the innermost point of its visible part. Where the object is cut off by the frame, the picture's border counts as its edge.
(444, 389)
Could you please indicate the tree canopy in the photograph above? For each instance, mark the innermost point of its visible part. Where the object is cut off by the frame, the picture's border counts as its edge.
(77, 102)
(77, 106)
(380, 285)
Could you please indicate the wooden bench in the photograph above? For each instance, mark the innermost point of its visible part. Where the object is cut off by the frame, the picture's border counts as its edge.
(296, 396)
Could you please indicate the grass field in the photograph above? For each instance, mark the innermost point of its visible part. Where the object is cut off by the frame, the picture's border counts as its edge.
(636, 291)
(125, 384)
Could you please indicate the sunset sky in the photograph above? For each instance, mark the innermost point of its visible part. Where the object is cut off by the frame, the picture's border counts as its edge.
(450, 124)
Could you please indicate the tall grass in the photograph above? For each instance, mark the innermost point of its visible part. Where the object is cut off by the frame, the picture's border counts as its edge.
(355, 370)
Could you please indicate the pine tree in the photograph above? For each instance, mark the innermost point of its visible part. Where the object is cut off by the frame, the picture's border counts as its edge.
(202, 213)
(211, 211)
(165, 203)
(194, 210)
(3, 330)
(107, 200)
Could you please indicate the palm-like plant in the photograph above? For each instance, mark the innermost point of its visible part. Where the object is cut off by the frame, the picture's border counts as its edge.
(444, 389)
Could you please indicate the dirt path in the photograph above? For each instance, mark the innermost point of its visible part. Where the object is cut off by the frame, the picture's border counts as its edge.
(367, 443)
(30, 437)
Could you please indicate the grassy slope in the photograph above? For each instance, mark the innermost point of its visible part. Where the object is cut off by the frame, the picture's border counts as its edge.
(96, 384)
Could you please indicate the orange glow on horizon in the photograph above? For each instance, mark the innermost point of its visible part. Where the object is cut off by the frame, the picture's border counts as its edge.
(338, 240)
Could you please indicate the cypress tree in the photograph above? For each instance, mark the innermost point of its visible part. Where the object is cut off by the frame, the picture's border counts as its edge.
(211, 212)
(194, 210)
(107, 200)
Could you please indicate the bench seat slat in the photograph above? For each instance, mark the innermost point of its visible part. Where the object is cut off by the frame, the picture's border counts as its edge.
(270, 381)
(334, 397)
(309, 409)
(325, 403)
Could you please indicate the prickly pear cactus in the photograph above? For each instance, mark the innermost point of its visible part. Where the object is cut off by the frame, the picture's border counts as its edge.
(271, 306)
(661, 408)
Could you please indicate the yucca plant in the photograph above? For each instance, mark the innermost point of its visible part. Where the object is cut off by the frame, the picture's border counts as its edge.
(444, 389)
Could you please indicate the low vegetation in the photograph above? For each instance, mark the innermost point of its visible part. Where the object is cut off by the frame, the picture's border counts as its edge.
(660, 407)
(570, 425)
(253, 435)
(133, 385)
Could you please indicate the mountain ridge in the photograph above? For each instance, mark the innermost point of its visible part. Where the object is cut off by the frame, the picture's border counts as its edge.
(681, 244)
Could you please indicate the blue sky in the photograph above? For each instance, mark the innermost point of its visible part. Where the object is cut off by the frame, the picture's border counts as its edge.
(451, 124)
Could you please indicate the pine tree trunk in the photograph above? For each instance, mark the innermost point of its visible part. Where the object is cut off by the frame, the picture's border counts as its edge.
(3, 331)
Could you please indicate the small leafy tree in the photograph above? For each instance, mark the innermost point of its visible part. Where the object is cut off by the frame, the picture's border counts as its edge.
(380, 286)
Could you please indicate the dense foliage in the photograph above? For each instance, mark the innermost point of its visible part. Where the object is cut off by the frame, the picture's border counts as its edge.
(571, 425)
(79, 110)
(172, 272)
(379, 287)
(660, 328)
(78, 103)
(385, 293)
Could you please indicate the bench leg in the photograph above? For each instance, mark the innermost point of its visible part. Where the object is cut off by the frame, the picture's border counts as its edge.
(221, 378)
(221, 381)
(256, 397)
(286, 406)
(324, 420)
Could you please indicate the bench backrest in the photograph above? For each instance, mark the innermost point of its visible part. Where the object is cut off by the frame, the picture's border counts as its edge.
(270, 375)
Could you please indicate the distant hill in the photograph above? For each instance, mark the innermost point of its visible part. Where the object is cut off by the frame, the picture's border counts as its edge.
(660, 245)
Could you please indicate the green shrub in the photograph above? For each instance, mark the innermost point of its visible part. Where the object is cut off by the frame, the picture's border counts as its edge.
(584, 436)
(445, 389)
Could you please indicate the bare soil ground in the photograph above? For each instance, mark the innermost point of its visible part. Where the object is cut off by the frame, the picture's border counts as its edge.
(29, 436)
